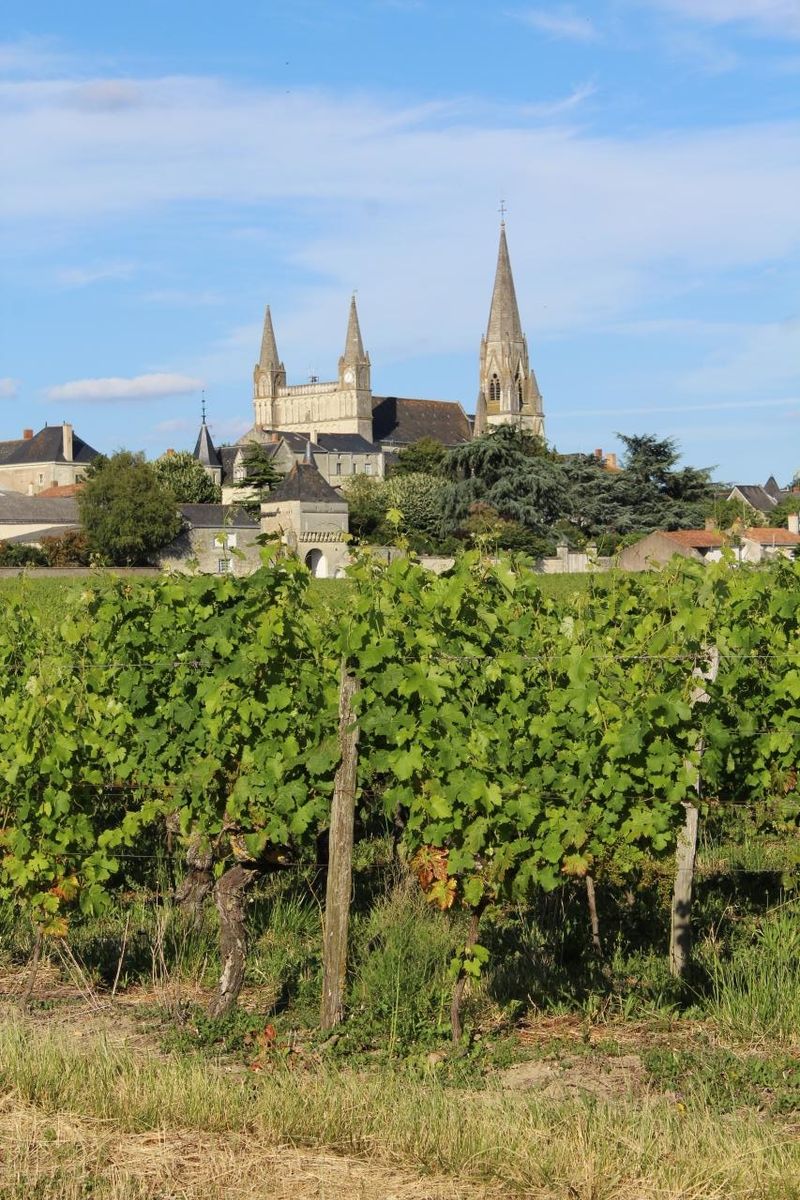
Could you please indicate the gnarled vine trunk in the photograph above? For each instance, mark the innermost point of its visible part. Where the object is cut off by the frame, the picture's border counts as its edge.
(461, 980)
(198, 881)
(230, 896)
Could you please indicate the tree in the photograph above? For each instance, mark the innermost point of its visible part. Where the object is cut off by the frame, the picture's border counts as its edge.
(510, 470)
(419, 498)
(188, 481)
(779, 515)
(424, 457)
(260, 478)
(69, 549)
(126, 512)
(17, 554)
(366, 497)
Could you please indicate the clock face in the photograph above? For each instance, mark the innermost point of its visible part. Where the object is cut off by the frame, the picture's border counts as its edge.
(348, 376)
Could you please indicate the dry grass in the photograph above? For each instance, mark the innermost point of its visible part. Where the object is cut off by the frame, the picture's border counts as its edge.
(88, 1117)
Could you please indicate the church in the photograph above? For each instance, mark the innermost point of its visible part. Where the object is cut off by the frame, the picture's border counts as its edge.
(344, 428)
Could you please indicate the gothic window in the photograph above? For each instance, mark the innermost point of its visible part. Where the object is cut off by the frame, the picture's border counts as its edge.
(494, 389)
(520, 390)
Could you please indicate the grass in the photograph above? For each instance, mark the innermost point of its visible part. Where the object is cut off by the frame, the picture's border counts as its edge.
(756, 990)
(521, 1144)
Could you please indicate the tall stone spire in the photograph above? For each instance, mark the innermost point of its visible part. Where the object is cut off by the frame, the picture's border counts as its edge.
(353, 346)
(268, 358)
(269, 376)
(508, 392)
(355, 386)
(504, 319)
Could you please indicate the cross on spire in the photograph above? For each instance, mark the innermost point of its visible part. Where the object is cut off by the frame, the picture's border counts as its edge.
(502, 210)
(203, 405)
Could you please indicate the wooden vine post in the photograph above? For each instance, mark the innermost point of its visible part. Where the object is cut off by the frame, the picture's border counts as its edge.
(680, 942)
(340, 859)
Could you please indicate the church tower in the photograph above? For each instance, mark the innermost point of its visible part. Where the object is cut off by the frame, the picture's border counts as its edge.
(269, 375)
(508, 392)
(354, 383)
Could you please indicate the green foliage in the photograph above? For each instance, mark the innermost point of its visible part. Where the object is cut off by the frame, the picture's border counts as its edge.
(419, 498)
(17, 554)
(186, 479)
(424, 457)
(261, 477)
(126, 513)
(779, 515)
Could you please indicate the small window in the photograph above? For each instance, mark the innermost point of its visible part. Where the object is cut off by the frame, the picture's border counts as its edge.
(494, 389)
(368, 468)
(520, 391)
(337, 467)
(224, 566)
(41, 477)
(239, 472)
(231, 541)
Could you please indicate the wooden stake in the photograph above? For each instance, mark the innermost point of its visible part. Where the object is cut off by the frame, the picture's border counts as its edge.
(340, 859)
(680, 942)
(594, 920)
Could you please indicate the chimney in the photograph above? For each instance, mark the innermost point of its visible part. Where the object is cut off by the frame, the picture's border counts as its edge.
(793, 522)
(611, 462)
(27, 434)
(598, 454)
(274, 437)
(710, 523)
(66, 431)
(169, 453)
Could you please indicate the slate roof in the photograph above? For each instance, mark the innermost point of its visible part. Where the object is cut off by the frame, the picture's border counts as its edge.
(346, 443)
(217, 516)
(404, 420)
(763, 499)
(304, 482)
(17, 509)
(46, 446)
(205, 451)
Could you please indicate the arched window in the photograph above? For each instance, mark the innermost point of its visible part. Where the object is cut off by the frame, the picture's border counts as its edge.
(494, 389)
(520, 390)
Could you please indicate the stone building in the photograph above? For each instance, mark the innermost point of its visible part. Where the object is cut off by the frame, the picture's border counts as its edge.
(216, 539)
(311, 518)
(53, 457)
(346, 407)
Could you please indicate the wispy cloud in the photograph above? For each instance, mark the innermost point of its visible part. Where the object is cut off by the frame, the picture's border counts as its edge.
(8, 388)
(184, 297)
(558, 23)
(776, 17)
(29, 57)
(79, 277)
(760, 359)
(155, 386)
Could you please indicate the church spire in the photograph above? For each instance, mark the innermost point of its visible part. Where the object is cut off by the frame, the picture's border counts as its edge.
(508, 392)
(504, 319)
(268, 359)
(353, 346)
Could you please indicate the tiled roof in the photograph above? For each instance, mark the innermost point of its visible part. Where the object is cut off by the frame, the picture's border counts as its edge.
(217, 516)
(404, 420)
(772, 537)
(48, 446)
(304, 482)
(64, 489)
(17, 509)
(704, 539)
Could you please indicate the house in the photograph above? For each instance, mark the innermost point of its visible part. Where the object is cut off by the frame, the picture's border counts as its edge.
(216, 539)
(760, 499)
(311, 518)
(53, 457)
(754, 544)
(30, 518)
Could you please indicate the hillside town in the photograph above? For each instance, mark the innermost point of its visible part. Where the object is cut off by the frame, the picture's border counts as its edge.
(321, 454)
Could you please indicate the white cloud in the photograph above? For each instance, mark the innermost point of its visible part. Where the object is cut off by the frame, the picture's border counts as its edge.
(29, 56)
(558, 23)
(8, 389)
(756, 360)
(175, 425)
(768, 16)
(141, 387)
(78, 277)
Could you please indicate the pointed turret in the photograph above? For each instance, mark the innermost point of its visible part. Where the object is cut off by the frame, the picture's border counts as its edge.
(480, 424)
(353, 346)
(504, 319)
(268, 359)
(269, 376)
(508, 391)
(206, 452)
(355, 387)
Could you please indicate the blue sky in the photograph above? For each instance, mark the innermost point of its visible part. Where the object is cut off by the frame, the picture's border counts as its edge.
(168, 168)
